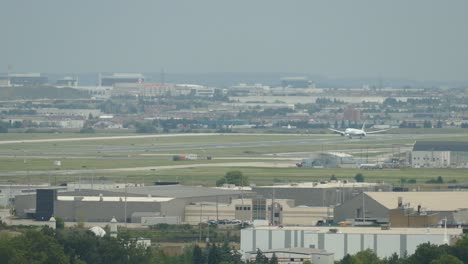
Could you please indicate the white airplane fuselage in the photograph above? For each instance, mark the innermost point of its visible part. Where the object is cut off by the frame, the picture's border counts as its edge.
(350, 132)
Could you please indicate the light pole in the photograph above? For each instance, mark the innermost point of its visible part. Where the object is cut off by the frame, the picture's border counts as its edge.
(446, 241)
(200, 224)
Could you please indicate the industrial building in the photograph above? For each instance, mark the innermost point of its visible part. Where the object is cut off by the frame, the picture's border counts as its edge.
(67, 82)
(325, 194)
(116, 78)
(439, 154)
(372, 207)
(123, 204)
(8, 192)
(295, 82)
(26, 79)
(346, 240)
(330, 160)
(283, 212)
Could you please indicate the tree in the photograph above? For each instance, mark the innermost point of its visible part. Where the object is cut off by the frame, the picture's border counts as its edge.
(214, 256)
(390, 102)
(427, 124)
(366, 256)
(425, 253)
(145, 128)
(394, 259)
(233, 177)
(59, 224)
(447, 259)
(359, 177)
(440, 180)
(260, 258)
(197, 257)
(34, 247)
(460, 249)
(273, 259)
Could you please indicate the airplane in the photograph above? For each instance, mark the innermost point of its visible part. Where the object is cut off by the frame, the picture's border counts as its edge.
(350, 132)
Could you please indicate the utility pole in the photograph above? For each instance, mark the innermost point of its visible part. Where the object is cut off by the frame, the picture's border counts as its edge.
(363, 209)
(125, 206)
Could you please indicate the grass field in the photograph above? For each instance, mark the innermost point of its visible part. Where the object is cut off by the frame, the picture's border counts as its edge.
(144, 152)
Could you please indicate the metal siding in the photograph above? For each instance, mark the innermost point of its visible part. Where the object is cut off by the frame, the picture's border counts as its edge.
(335, 243)
(296, 234)
(287, 242)
(246, 239)
(414, 240)
(321, 241)
(368, 241)
(302, 238)
(353, 243)
(387, 245)
(278, 239)
(262, 239)
(254, 240)
(310, 239)
(403, 245)
(270, 238)
(345, 247)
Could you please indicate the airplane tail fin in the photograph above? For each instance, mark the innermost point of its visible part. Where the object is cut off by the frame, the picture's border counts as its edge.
(363, 126)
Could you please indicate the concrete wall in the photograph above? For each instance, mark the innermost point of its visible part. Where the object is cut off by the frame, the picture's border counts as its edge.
(24, 202)
(409, 218)
(101, 211)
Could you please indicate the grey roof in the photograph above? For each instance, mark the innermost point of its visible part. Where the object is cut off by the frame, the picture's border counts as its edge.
(440, 146)
(179, 191)
(175, 191)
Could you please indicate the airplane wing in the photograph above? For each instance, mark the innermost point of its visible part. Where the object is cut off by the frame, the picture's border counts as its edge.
(377, 131)
(337, 131)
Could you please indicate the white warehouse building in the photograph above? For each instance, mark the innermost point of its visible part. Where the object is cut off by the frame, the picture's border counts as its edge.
(345, 240)
(429, 154)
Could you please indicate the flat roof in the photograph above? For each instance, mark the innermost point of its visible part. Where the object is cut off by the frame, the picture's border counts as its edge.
(432, 201)
(441, 146)
(115, 199)
(318, 185)
(179, 191)
(364, 230)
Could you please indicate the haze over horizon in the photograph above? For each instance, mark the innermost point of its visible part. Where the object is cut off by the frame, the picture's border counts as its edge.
(417, 40)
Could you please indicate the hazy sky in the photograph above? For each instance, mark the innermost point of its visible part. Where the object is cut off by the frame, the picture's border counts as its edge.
(416, 39)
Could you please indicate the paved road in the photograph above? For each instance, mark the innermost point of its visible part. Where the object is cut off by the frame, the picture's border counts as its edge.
(263, 164)
(100, 149)
(137, 137)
